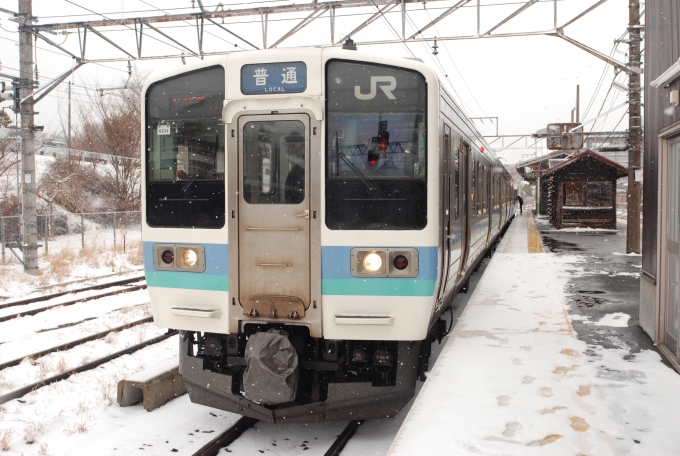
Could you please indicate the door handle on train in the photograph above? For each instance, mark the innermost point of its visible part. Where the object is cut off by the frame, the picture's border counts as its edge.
(304, 214)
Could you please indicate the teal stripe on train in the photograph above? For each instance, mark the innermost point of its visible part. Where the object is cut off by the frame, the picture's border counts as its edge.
(187, 280)
(383, 286)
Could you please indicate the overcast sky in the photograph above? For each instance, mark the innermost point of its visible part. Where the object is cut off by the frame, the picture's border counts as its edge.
(527, 82)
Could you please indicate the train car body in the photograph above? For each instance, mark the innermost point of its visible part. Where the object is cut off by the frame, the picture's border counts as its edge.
(308, 216)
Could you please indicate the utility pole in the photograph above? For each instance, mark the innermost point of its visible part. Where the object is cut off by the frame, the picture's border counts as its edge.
(634, 130)
(578, 96)
(29, 225)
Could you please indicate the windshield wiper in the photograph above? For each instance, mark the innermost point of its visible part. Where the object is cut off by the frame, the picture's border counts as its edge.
(359, 174)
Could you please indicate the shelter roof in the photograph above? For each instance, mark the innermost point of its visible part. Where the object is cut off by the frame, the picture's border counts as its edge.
(588, 154)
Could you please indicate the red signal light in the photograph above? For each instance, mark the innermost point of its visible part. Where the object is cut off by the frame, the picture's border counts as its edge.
(400, 262)
(168, 257)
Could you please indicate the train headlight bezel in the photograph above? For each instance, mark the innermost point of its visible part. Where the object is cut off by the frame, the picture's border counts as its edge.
(186, 258)
(364, 262)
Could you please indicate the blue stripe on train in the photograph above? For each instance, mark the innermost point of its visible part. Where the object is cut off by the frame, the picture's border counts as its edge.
(335, 262)
(215, 277)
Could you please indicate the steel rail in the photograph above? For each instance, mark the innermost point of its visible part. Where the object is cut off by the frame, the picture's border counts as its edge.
(343, 438)
(213, 447)
(74, 343)
(91, 365)
(227, 437)
(56, 295)
(70, 303)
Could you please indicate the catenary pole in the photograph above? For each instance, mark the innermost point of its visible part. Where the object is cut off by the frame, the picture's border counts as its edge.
(634, 131)
(29, 225)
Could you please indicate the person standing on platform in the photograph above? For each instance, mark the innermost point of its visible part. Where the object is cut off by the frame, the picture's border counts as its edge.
(521, 203)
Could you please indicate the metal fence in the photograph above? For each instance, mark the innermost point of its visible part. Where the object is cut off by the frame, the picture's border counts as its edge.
(113, 230)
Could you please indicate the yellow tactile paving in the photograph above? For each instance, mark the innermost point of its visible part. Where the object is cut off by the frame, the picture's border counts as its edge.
(533, 238)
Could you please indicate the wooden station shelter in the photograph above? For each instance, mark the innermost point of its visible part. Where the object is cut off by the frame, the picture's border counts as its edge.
(581, 191)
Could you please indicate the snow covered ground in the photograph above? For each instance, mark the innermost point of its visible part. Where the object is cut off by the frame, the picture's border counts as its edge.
(514, 378)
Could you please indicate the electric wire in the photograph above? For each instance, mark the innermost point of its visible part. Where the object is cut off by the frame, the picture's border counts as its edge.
(109, 19)
(444, 45)
(382, 15)
(466, 109)
(212, 34)
(277, 1)
(606, 66)
(617, 126)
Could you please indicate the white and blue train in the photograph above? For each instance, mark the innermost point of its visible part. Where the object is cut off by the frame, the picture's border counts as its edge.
(308, 215)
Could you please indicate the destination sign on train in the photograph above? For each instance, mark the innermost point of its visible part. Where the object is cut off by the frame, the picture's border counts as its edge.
(272, 78)
(187, 100)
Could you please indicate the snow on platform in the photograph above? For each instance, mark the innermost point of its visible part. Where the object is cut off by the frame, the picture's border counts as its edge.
(513, 377)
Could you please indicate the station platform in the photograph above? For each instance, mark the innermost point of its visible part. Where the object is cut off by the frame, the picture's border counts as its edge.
(513, 377)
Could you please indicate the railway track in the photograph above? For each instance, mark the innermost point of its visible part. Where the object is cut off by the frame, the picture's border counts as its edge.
(71, 302)
(75, 343)
(80, 290)
(85, 367)
(227, 437)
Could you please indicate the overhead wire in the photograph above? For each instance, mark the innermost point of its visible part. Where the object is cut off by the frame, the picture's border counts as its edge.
(393, 30)
(604, 71)
(109, 19)
(212, 34)
(617, 126)
(444, 45)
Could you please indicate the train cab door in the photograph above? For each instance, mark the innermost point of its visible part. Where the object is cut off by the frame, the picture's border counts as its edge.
(273, 222)
(463, 203)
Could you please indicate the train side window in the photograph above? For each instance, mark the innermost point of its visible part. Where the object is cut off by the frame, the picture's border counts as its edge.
(456, 184)
(485, 184)
(473, 186)
(480, 197)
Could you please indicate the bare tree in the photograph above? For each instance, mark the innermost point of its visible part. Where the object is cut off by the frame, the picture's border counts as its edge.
(9, 201)
(110, 124)
(5, 119)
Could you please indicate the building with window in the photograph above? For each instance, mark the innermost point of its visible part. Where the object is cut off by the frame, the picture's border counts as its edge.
(660, 274)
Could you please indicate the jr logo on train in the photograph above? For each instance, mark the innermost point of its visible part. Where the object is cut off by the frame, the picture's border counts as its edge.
(307, 236)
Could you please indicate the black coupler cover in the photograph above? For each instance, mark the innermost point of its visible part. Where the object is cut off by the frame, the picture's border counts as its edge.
(271, 375)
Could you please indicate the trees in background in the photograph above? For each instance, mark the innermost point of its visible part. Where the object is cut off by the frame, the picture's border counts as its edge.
(9, 200)
(109, 179)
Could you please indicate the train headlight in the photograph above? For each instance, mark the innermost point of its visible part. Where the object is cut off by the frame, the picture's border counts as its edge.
(372, 262)
(189, 258)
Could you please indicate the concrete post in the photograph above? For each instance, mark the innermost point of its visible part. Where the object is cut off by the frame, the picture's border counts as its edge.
(634, 131)
(29, 224)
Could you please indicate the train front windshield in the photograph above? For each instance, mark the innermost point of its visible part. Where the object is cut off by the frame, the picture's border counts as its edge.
(375, 147)
(185, 151)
